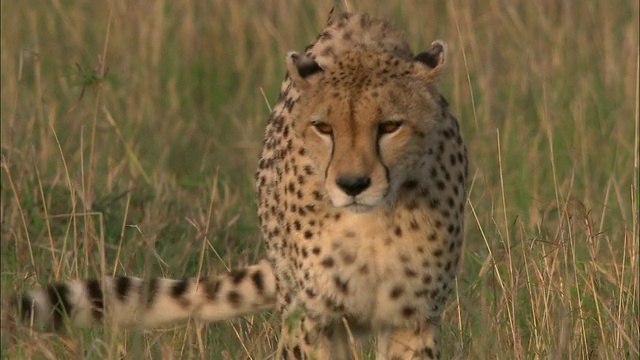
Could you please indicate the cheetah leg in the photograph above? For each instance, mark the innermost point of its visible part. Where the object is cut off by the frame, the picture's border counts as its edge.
(309, 339)
(409, 344)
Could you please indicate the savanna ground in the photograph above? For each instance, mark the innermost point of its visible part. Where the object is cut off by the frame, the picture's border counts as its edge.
(131, 131)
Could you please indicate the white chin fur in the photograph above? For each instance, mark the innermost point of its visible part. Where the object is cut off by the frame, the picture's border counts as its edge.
(354, 204)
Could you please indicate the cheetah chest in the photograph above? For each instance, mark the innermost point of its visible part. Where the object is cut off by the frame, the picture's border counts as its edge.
(376, 267)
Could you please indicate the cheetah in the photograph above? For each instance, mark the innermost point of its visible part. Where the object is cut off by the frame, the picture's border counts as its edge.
(361, 193)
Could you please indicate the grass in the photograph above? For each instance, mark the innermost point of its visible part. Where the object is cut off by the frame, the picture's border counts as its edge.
(131, 130)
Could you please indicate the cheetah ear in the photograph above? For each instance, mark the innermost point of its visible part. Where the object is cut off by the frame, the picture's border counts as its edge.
(435, 59)
(330, 17)
(301, 69)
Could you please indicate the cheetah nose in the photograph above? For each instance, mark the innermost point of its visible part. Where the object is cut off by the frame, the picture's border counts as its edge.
(353, 185)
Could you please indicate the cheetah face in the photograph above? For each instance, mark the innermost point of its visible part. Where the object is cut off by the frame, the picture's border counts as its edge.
(367, 121)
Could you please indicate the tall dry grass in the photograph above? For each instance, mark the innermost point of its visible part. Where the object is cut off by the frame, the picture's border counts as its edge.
(130, 132)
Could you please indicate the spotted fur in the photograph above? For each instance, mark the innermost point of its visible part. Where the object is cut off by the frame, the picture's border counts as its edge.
(361, 193)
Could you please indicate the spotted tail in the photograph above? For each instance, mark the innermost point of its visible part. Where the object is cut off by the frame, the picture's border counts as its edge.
(130, 301)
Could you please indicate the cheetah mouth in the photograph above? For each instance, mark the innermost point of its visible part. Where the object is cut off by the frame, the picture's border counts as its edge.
(358, 208)
(358, 204)
(361, 203)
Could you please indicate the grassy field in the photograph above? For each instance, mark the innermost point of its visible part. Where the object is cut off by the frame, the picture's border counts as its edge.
(131, 131)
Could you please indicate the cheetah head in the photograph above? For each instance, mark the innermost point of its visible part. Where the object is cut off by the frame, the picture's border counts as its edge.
(366, 120)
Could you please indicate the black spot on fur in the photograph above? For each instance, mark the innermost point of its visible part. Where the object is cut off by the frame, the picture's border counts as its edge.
(413, 224)
(410, 184)
(408, 311)
(95, 296)
(310, 292)
(60, 305)
(123, 284)
(428, 352)
(179, 288)
(297, 352)
(237, 276)
(258, 281)
(333, 306)
(411, 205)
(364, 269)
(234, 298)
(212, 287)
(328, 262)
(348, 258)
(434, 203)
(410, 273)
(398, 231)
(152, 291)
(396, 292)
(342, 285)
(24, 305)
(434, 293)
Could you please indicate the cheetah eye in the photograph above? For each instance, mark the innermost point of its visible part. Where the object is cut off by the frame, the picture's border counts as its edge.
(322, 127)
(389, 127)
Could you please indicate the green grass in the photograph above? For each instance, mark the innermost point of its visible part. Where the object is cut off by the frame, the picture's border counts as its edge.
(131, 130)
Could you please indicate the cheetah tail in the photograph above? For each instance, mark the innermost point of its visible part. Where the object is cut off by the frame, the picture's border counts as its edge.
(130, 301)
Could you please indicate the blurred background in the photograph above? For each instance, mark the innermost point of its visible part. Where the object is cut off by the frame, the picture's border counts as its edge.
(131, 130)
